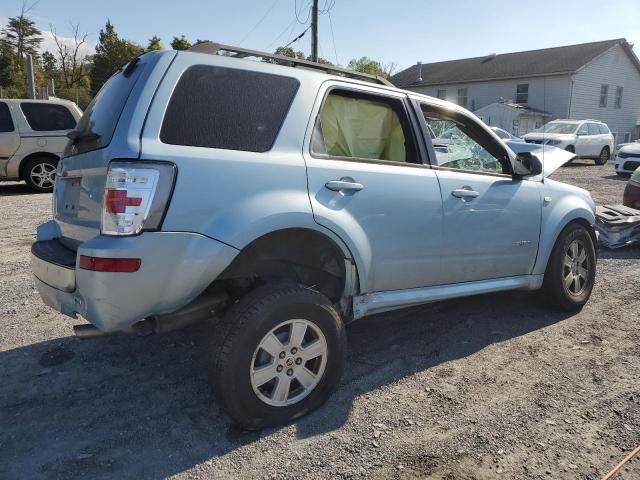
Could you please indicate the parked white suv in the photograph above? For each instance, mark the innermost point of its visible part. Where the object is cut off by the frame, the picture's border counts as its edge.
(585, 138)
(33, 134)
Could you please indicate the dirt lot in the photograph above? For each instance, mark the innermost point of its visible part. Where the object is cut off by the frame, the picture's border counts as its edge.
(487, 387)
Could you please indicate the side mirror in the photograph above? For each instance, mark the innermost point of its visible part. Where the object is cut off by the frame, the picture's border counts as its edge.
(527, 165)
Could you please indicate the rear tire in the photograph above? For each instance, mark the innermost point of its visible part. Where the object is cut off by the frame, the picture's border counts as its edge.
(279, 355)
(39, 174)
(603, 158)
(571, 270)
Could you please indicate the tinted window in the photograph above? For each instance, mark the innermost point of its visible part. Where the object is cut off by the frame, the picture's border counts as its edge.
(6, 123)
(99, 121)
(44, 117)
(353, 125)
(227, 108)
(593, 129)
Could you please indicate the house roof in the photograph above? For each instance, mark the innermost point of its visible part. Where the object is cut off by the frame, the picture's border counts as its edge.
(543, 62)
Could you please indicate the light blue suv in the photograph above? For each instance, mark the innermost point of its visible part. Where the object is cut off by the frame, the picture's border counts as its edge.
(290, 198)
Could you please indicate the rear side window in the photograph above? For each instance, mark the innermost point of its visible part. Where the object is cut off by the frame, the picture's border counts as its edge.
(43, 117)
(227, 108)
(99, 121)
(604, 130)
(361, 126)
(593, 129)
(6, 123)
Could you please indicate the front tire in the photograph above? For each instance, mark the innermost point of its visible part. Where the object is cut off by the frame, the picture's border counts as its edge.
(279, 355)
(571, 270)
(40, 174)
(603, 158)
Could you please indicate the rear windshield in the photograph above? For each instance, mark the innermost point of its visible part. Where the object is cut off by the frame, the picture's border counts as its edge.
(99, 121)
(43, 117)
(227, 108)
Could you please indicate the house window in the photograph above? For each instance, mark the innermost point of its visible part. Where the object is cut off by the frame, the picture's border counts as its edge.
(538, 124)
(627, 137)
(618, 100)
(522, 93)
(462, 97)
(604, 91)
(516, 127)
(442, 94)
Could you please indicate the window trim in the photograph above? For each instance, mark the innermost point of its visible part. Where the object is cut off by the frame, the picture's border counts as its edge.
(522, 93)
(13, 125)
(604, 95)
(411, 124)
(427, 139)
(617, 99)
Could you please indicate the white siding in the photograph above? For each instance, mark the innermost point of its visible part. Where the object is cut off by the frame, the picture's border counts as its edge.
(546, 93)
(613, 68)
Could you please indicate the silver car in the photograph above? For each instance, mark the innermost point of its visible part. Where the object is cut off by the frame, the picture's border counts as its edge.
(289, 201)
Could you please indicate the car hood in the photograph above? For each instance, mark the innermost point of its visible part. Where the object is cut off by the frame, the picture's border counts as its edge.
(631, 148)
(552, 158)
(548, 136)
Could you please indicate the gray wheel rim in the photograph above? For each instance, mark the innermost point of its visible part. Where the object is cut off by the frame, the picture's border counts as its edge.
(576, 269)
(604, 155)
(288, 363)
(43, 175)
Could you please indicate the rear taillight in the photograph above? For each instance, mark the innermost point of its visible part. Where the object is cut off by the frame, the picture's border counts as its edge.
(136, 196)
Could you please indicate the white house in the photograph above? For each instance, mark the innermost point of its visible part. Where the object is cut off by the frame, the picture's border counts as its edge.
(599, 80)
(513, 117)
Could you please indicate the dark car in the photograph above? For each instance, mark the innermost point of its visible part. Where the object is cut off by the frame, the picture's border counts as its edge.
(631, 196)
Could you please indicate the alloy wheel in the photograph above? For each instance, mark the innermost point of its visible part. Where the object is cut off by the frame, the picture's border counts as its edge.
(576, 269)
(288, 363)
(43, 175)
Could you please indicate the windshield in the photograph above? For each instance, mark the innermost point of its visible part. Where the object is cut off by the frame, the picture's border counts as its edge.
(558, 127)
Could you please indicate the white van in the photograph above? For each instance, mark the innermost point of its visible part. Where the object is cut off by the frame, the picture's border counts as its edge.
(33, 135)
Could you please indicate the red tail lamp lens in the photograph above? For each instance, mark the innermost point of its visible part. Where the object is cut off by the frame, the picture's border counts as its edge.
(119, 265)
(117, 201)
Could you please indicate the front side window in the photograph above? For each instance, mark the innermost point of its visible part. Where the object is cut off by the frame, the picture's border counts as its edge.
(604, 92)
(6, 123)
(366, 127)
(583, 130)
(442, 94)
(522, 93)
(226, 108)
(43, 117)
(463, 97)
(618, 100)
(461, 145)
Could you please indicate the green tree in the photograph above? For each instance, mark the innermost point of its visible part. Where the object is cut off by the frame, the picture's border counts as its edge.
(180, 43)
(21, 36)
(112, 52)
(154, 44)
(49, 64)
(290, 52)
(372, 67)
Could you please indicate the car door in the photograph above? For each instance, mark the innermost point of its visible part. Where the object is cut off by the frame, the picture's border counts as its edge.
(583, 141)
(367, 184)
(9, 137)
(596, 140)
(491, 223)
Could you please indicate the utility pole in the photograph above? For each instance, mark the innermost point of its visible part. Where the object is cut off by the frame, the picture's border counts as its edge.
(314, 32)
(31, 87)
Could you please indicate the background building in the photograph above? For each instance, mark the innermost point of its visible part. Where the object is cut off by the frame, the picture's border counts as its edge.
(599, 80)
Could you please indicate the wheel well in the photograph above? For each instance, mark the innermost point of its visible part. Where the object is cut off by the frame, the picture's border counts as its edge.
(585, 223)
(301, 255)
(31, 156)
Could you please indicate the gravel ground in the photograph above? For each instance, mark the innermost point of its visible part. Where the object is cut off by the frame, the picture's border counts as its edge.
(487, 387)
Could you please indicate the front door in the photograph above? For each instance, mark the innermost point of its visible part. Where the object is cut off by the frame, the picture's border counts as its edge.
(9, 137)
(491, 224)
(367, 184)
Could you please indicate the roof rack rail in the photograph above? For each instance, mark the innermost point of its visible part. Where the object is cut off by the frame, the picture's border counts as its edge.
(213, 48)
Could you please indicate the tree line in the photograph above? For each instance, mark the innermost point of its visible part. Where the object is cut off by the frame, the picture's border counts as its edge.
(78, 76)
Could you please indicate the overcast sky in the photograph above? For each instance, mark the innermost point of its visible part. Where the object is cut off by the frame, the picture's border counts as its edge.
(403, 31)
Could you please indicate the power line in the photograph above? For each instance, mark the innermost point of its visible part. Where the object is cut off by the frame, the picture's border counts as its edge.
(259, 22)
(298, 37)
(333, 39)
(295, 11)
(289, 27)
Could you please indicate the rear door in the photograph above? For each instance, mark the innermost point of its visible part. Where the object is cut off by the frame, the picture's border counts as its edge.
(583, 141)
(491, 223)
(367, 184)
(596, 139)
(9, 137)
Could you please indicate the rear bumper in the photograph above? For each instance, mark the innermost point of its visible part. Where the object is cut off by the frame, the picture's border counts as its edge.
(175, 268)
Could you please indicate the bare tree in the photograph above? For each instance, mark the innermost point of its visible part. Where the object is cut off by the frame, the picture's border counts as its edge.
(72, 60)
